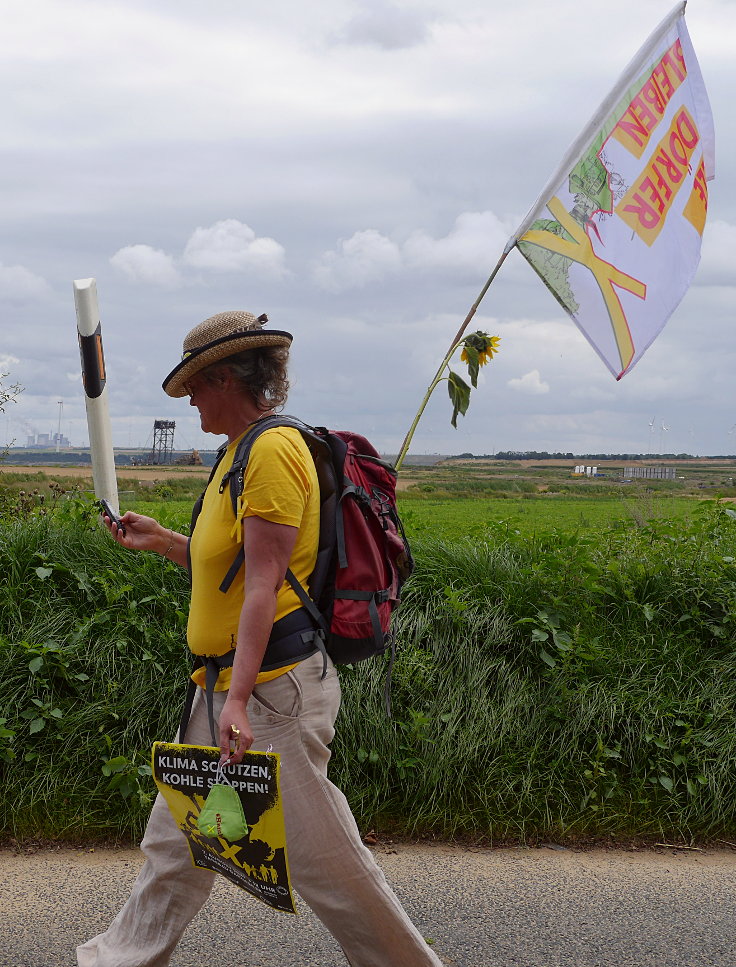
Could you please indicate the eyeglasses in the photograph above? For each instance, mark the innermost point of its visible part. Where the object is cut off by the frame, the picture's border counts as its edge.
(193, 385)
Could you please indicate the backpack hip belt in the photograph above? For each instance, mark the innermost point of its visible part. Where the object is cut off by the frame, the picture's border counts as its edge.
(293, 638)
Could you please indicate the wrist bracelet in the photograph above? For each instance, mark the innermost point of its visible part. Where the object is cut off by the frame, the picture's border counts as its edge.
(166, 552)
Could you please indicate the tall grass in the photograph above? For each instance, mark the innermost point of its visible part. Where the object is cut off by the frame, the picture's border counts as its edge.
(91, 643)
(551, 686)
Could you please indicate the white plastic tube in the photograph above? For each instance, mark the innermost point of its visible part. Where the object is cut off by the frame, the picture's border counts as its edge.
(94, 378)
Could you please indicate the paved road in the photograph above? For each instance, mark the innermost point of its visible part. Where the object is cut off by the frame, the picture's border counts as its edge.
(481, 908)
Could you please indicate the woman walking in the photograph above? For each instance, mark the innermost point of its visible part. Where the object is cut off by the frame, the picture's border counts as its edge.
(235, 372)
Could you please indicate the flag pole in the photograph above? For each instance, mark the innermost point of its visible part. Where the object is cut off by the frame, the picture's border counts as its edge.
(453, 346)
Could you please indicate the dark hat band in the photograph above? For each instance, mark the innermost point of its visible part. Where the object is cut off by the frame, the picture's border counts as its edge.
(246, 334)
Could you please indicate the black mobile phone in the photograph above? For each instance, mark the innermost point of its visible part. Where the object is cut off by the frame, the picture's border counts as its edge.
(109, 512)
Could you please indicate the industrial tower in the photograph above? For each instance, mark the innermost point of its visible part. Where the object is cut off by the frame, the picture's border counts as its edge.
(163, 442)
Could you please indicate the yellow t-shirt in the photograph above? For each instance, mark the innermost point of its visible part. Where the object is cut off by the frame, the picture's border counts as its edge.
(280, 485)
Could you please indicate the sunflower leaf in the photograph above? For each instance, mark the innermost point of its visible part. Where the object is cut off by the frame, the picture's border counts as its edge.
(459, 396)
(471, 357)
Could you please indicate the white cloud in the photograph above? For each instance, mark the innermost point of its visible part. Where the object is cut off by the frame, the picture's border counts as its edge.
(476, 239)
(366, 257)
(226, 246)
(7, 362)
(530, 383)
(233, 246)
(142, 263)
(258, 115)
(18, 284)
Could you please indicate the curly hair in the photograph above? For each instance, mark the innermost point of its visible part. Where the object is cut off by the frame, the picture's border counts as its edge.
(262, 373)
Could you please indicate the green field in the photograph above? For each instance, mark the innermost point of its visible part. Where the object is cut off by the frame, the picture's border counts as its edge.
(451, 518)
(575, 651)
(457, 499)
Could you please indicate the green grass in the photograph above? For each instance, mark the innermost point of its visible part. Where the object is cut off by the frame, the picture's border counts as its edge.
(455, 518)
(547, 683)
(92, 645)
(561, 686)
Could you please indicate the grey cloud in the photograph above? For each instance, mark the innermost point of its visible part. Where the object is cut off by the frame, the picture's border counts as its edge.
(717, 265)
(380, 23)
(530, 382)
(474, 241)
(19, 285)
(143, 263)
(437, 152)
(368, 256)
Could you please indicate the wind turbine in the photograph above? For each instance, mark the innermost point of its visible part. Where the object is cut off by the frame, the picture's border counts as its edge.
(665, 429)
(651, 433)
(58, 429)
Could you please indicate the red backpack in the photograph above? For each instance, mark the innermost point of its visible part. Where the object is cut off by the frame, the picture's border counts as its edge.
(363, 556)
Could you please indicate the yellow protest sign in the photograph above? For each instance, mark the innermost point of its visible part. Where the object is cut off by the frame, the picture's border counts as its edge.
(258, 863)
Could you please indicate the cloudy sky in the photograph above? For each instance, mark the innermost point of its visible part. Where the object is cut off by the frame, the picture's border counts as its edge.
(353, 168)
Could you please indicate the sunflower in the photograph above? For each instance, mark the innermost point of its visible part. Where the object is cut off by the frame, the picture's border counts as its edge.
(493, 343)
(486, 346)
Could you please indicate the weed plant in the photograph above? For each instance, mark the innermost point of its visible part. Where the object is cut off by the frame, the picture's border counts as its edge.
(91, 644)
(562, 686)
(186, 487)
(555, 685)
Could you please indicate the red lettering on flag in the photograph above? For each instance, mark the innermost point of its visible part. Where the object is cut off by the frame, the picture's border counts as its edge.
(647, 108)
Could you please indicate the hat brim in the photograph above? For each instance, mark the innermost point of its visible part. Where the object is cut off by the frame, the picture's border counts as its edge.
(219, 349)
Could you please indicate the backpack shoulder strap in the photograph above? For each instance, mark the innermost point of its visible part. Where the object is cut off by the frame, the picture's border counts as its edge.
(236, 474)
(197, 508)
(235, 477)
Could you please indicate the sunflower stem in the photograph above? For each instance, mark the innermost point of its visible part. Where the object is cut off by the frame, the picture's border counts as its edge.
(445, 362)
(437, 379)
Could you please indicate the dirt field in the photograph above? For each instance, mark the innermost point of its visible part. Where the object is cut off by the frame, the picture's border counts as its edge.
(148, 474)
(710, 462)
(122, 473)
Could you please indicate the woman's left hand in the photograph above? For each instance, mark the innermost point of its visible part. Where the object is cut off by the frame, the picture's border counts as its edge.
(235, 731)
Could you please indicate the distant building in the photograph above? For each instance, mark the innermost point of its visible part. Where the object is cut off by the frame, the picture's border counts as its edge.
(650, 473)
(47, 441)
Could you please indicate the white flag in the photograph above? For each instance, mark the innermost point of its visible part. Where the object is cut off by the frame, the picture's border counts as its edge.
(616, 233)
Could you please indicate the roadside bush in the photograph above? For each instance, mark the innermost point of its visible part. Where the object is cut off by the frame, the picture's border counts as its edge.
(553, 686)
(591, 680)
(91, 642)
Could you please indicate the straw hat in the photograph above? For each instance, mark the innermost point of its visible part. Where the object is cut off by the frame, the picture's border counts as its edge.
(217, 338)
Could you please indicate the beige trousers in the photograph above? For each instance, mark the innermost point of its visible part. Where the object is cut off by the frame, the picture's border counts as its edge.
(330, 867)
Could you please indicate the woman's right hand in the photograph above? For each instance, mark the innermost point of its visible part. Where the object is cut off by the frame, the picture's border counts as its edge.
(141, 533)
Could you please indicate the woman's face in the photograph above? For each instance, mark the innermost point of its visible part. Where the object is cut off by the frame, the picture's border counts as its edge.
(209, 398)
